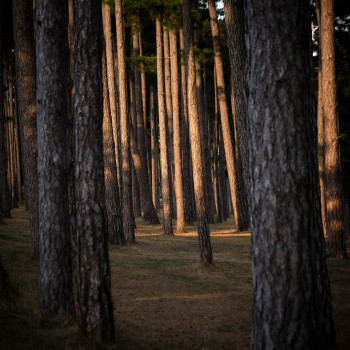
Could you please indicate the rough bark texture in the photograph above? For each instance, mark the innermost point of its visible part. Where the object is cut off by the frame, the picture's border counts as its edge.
(128, 216)
(2, 134)
(165, 168)
(197, 164)
(189, 206)
(52, 68)
(332, 169)
(94, 281)
(291, 292)
(25, 80)
(238, 194)
(180, 223)
(114, 212)
(235, 25)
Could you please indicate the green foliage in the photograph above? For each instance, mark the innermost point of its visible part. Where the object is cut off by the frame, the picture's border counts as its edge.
(145, 63)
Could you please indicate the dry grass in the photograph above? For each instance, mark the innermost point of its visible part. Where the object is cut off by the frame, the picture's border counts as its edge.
(163, 298)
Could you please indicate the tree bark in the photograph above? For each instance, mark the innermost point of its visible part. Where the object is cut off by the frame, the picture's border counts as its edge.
(52, 68)
(332, 169)
(114, 212)
(291, 292)
(128, 217)
(238, 194)
(180, 223)
(197, 164)
(94, 280)
(165, 167)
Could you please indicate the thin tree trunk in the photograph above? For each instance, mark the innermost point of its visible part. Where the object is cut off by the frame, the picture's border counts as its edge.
(332, 169)
(291, 292)
(238, 194)
(197, 164)
(56, 285)
(128, 220)
(165, 168)
(180, 223)
(114, 212)
(26, 89)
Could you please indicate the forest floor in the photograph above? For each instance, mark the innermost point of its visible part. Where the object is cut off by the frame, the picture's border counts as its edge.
(163, 298)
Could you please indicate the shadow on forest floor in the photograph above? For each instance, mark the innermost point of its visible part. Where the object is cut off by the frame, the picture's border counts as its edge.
(163, 298)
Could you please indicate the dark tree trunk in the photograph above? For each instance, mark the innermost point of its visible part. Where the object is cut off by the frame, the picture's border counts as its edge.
(197, 164)
(94, 280)
(291, 292)
(335, 213)
(26, 88)
(128, 216)
(114, 212)
(235, 25)
(52, 69)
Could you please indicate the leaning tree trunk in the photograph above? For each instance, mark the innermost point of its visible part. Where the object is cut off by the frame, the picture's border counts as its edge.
(180, 220)
(128, 216)
(94, 279)
(165, 168)
(56, 285)
(235, 25)
(332, 169)
(291, 292)
(238, 192)
(197, 164)
(113, 208)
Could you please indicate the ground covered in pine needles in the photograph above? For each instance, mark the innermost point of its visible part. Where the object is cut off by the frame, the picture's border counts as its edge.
(163, 298)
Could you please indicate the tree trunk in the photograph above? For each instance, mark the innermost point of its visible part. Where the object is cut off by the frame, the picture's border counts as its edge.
(332, 169)
(238, 194)
(114, 212)
(128, 217)
(165, 168)
(26, 89)
(197, 164)
(94, 281)
(235, 25)
(291, 292)
(52, 69)
(180, 223)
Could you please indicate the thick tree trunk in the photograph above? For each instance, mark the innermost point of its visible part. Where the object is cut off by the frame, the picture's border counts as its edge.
(197, 164)
(165, 168)
(128, 216)
(235, 25)
(332, 169)
(94, 280)
(291, 292)
(52, 69)
(114, 212)
(180, 223)
(238, 193)
(26, 88)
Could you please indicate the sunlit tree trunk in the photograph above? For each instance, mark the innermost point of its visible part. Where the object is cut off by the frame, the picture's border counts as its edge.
(238, 195)
(197, 164)
(291, 292)
(128, 220)
(332, 169)
(56, 286)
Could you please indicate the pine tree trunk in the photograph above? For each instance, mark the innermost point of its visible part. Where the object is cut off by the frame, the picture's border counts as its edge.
(26, 89)
(94, 280)
(180, 223)
(114, 212)
(238, 195)
(197, 164)
(56, 289)
(332, 169)
(128, 217)
(165, 168)
(235, 25)
(291, 292)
